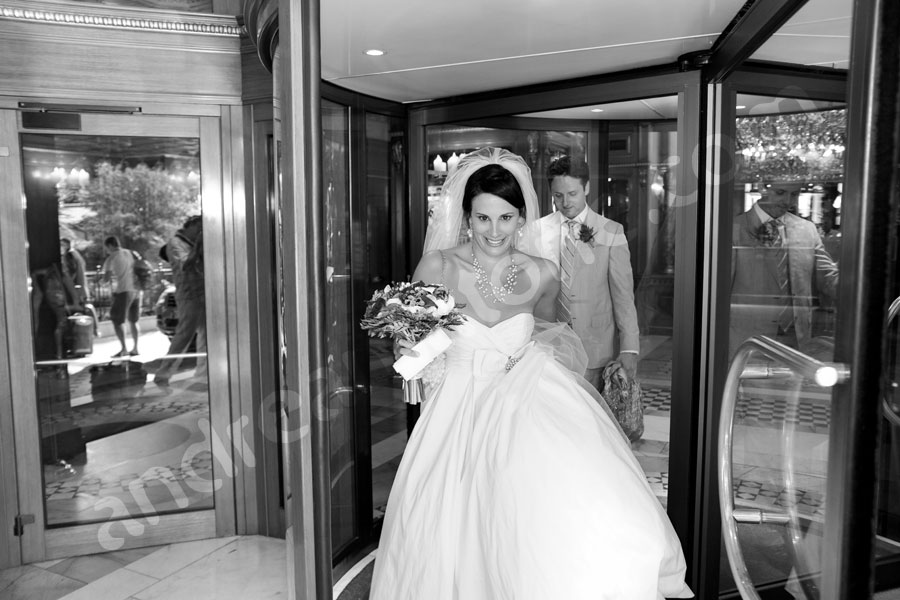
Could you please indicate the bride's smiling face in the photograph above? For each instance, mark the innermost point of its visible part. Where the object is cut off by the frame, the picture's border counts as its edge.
(494, 223)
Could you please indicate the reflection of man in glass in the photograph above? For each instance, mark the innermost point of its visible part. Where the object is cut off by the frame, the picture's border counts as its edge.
(126, 298)
(779, 269)
(73, 267)
(185, 253)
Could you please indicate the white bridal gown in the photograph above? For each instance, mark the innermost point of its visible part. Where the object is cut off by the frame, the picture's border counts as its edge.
(516, 484)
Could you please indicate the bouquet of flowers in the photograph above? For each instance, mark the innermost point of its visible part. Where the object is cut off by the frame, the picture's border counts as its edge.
(418, 313)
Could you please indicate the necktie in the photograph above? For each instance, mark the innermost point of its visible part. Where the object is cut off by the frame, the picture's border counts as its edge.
(786, 318)
(567, 269)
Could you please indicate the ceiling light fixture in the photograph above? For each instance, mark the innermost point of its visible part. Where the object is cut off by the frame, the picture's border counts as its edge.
(375, 52)
(596, 110)
(740, 106)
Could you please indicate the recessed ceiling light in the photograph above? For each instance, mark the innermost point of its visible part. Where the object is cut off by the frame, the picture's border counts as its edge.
(596, 110)
(740, 106)
(375, 52)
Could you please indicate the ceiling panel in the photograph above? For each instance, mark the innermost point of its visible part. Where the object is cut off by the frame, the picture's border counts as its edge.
(666, 107)
(817, 35)
(442, 49)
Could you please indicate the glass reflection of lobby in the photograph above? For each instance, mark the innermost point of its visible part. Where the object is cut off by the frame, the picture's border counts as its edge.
(111, 440)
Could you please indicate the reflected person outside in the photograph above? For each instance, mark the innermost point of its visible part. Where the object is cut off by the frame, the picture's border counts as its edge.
(112, 446)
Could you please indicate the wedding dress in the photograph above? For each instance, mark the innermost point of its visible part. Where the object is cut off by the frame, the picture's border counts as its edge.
(516, 484)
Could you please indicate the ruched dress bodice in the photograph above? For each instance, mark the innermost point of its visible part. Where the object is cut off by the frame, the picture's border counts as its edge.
(483, 351)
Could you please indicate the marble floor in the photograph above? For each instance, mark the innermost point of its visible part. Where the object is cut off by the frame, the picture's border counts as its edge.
(232, 568)
(216, 569)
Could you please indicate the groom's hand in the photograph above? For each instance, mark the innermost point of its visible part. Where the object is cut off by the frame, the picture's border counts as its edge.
(629, 361)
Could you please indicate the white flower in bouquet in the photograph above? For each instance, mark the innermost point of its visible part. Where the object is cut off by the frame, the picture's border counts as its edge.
(410, 311)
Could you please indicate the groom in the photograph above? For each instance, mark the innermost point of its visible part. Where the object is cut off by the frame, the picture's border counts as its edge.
(596, 289)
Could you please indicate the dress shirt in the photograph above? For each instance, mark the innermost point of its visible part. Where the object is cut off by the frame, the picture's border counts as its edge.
(765, 217)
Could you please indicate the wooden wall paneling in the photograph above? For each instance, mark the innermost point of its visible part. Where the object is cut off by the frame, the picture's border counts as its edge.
(252, 404)
(256, 80)
(16, 302)
(217, 311)
(10, 198)
(84, 539)
(261, 229)
(244, 410)
(128, 125)
(146, 108)
(83, 62)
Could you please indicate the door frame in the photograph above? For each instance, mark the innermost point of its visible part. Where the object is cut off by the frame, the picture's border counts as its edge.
(37, 542)
(765, 80)
(358, 106)
(686, 481)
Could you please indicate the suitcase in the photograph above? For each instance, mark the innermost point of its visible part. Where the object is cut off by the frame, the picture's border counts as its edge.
(117, 380)
(60, 441)
(79, 336)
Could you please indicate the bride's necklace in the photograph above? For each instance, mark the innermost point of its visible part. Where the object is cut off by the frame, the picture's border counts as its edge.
(487, 289)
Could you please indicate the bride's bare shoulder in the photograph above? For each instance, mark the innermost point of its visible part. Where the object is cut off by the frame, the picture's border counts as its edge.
(434, 263)
(429, 267)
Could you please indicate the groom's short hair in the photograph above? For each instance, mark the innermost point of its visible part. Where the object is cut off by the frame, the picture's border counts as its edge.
(567, 166)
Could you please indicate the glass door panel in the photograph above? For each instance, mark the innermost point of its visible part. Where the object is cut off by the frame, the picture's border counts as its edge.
(633, 182)
(643, 198)
(789, 162)
(109, 315)
(340, 323)
(887, 525)
(384, 185)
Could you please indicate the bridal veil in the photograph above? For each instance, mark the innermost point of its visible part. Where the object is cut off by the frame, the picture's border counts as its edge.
(447, 226)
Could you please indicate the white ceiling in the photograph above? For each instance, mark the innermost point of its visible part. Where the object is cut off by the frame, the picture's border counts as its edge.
(441, 49)
(666, 107)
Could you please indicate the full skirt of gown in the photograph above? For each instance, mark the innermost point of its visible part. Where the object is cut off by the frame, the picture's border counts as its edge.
(517, 484)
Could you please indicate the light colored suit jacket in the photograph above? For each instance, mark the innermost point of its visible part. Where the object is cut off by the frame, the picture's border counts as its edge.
(756, 296)
(602, 301)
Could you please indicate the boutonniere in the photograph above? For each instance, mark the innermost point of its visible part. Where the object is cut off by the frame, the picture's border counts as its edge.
(767, 233)
(586, 235)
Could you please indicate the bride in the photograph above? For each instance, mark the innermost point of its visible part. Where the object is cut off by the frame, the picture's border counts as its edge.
(516, 482)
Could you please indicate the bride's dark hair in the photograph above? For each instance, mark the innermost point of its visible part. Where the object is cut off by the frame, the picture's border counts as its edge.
(493, 179)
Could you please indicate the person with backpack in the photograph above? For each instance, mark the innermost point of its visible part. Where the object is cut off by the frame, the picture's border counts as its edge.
(126, 298)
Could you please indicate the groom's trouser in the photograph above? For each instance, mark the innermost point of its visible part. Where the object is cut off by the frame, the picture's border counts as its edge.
(595, 378)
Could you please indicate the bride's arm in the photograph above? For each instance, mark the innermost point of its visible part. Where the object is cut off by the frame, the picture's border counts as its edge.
(545, 309)
(430, 268)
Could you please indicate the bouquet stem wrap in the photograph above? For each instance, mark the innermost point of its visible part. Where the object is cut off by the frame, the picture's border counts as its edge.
(413, 391)
(414, 312)
(427, 349)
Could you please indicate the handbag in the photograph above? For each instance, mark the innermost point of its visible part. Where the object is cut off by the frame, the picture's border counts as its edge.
(625, 399)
